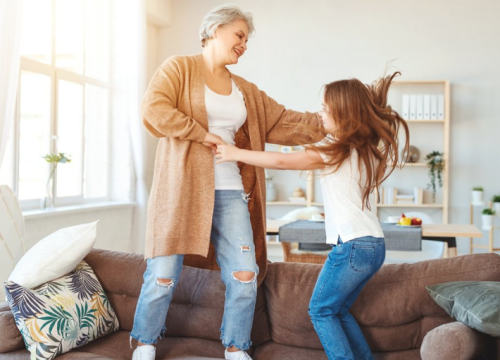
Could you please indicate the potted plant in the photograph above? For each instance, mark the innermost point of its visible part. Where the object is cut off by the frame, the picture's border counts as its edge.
(435, 163)
(488, 216)
(477, 195)
(270, 188)
(496, 204)
(55, 159)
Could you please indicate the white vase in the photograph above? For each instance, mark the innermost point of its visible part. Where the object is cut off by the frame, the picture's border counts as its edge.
(487, 222)
(477, 197)
(496, 208)
(270, 191)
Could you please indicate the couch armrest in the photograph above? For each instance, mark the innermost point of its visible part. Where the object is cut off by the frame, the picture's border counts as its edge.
(10, 337)
(4, 306)
(455, 341)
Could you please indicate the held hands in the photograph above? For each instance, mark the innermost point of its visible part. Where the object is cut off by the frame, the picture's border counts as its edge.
(226, 153)
(211, 141)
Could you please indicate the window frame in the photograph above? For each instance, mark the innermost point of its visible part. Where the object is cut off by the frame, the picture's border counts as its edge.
(56, 74)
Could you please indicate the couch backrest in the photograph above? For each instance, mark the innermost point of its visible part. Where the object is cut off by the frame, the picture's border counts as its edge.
(197, 306)
(394, 309)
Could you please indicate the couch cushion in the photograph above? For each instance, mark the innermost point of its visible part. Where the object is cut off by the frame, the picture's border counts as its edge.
(274, 351)
(55, 255)
(10, 336)
(116, 346)
(198, 302)
(474, 303)
(62, 314)
(394, 300)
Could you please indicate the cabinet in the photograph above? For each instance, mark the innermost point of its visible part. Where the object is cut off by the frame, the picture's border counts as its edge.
(428, 132)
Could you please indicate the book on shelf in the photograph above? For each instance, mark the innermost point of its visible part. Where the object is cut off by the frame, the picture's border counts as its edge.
(404, 199)
(406, 107)
(427, 107)
(418, 194)
(440, 107)
(420, 106)
(388, 195)
(434, 106)
(413, 107)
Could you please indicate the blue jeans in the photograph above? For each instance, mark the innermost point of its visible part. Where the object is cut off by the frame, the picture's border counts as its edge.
(232, 238)
(346, 271)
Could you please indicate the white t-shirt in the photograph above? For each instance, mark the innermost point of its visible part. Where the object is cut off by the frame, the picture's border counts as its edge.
(343, 199)
(226, 114)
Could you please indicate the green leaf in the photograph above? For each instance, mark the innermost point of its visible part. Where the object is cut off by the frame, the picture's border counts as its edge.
(57, 318)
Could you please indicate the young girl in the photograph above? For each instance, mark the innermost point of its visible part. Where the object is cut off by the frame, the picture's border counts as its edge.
(359, 150)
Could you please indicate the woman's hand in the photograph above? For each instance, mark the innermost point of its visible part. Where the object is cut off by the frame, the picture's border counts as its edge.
(226, 153)
(211, 141)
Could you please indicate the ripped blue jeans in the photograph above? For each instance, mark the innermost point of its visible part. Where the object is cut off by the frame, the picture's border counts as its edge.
(232, 238)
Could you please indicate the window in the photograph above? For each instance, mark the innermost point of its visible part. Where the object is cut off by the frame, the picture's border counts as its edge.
(63, 103)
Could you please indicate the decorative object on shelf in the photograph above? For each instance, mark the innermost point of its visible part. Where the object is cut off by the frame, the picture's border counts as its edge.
(270, 188)
(388, 195)
(477, 195)
(298, 195)
(488, 217)
(435, 163)
(418, 195)
(56, 159)
(496, 204)
(412, 156)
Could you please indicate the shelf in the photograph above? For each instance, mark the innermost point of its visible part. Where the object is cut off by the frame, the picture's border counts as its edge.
(437, 206)
(273, 244)
(419, 82)
(286, 203)
(425, 121)
(289, 203)
(414, 165)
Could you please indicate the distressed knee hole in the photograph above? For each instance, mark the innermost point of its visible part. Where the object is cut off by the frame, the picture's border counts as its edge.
(245, 248)
(244, 276)
(168, 283)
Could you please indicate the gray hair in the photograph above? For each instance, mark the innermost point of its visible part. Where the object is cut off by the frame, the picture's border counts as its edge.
(223, 15)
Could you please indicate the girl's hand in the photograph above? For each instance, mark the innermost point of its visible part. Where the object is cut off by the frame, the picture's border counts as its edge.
(226, 153)
(211, 141)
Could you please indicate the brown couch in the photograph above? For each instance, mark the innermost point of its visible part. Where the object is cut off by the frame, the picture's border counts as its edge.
(398, 317)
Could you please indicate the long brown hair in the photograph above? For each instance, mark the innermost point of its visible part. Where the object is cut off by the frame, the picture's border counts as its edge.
(365, 123)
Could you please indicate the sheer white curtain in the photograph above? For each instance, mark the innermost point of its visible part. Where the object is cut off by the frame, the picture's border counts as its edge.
(128, 78)
(10, 39)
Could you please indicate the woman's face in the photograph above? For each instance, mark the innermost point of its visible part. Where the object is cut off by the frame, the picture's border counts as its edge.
(230, 41)
(326, 117)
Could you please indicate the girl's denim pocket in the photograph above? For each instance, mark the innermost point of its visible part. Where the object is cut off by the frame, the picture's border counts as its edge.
(362, 257)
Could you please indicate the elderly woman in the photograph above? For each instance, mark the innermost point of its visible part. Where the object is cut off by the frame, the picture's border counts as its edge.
(202, 214)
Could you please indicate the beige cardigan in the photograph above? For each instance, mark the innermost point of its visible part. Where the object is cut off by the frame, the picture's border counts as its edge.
(182, 196)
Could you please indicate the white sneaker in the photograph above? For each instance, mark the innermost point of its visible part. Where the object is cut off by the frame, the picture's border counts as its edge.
(145, 352)
(237, 355)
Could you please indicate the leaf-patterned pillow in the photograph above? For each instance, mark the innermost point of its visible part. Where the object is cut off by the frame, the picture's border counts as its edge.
(62, 314)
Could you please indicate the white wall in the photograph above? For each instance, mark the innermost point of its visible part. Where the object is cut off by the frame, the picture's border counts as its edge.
(113, 230)
(300, 45)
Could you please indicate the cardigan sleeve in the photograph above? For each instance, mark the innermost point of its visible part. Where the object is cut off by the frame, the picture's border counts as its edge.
(159, 113)
(280, 123)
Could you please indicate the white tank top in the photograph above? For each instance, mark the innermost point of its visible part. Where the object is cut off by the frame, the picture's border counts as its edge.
(226, 114)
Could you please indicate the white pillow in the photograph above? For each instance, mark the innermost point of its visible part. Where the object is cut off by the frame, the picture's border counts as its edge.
(55, 255)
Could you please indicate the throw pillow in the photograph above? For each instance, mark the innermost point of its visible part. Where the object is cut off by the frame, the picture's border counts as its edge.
(55, 255)
(474, 303)
(62, 314)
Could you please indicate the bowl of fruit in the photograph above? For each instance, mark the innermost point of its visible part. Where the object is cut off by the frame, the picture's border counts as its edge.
(409, 221)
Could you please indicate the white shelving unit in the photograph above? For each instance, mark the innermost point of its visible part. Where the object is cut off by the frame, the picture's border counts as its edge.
(427, 135)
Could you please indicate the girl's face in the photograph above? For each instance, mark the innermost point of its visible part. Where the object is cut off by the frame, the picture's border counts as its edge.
(326, 117)
(230, 41)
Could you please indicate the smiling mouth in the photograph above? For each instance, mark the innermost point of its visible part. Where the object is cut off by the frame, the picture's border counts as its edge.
(239, 53)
